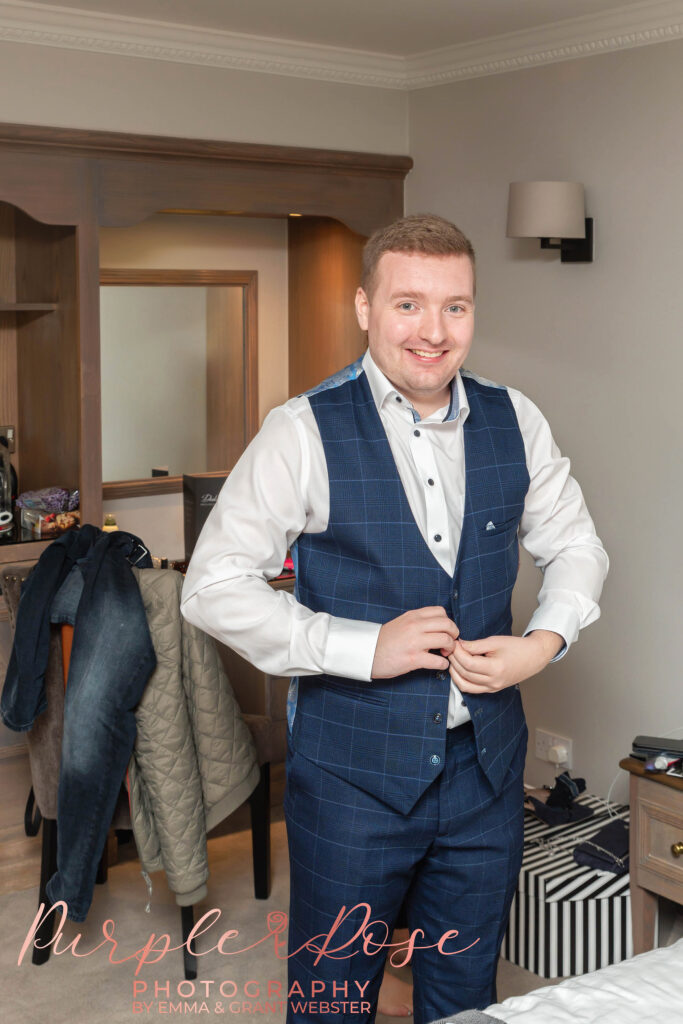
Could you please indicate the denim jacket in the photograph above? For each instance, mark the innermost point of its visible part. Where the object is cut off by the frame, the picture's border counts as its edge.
(84, 578)
(103, 559)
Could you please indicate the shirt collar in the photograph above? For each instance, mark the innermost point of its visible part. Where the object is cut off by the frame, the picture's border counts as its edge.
(383, 391)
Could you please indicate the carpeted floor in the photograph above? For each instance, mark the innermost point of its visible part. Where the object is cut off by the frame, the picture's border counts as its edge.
(83, 986)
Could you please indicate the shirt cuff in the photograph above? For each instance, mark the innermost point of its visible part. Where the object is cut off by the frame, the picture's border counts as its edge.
(557, 618)
(350, 649)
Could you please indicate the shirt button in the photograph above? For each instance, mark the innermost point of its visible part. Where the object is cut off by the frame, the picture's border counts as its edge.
(437, 537)
(398, 398)
(417, 433)
(430, 482)
(435, 759)
(438, 717)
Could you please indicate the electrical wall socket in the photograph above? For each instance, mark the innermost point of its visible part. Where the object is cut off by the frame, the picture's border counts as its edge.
(546, 741)
(8, 432)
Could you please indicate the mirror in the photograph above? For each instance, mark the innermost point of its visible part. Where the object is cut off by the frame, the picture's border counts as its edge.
(178, 374)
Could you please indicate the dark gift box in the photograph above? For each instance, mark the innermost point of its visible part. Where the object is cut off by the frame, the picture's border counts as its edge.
(200, 493)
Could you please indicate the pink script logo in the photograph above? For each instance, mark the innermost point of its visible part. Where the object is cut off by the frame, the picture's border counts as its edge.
(157, 946)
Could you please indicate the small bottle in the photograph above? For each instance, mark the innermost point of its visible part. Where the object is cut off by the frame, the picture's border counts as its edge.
(109, 523)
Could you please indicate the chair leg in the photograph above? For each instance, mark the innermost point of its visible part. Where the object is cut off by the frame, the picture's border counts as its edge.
(189, 959)
(259, 803)
(103, 866)
(48, 866)
(32, 815)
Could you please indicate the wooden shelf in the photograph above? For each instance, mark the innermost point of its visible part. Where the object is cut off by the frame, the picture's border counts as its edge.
(28, 307)
(22, 551)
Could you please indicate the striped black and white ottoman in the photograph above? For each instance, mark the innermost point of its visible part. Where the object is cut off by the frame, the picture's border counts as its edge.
(567, 919)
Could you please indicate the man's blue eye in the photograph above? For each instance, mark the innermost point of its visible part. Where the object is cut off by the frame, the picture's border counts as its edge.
(406, 305)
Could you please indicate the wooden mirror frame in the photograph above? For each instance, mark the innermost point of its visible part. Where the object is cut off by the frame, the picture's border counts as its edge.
(247, 279)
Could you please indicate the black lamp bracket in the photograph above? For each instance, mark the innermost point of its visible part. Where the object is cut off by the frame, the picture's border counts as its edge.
(573, 250)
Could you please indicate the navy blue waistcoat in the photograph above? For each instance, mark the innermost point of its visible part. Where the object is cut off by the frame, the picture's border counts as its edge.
(371, 563)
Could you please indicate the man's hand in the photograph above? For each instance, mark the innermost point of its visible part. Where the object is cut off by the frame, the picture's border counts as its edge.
(406, 643)
(484, 666)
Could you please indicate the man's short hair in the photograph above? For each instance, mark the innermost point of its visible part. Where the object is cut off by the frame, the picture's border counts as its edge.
(424, 233)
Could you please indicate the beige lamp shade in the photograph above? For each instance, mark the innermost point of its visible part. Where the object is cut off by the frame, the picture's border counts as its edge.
(546, 209)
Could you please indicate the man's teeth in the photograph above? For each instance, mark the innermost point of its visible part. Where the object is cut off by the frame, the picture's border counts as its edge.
(425, 355)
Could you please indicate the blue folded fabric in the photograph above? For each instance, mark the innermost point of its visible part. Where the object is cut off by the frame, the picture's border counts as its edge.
(607, 850)
(559, 815)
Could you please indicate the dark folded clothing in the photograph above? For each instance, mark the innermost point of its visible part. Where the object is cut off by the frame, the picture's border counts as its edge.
(565, 790)
(607, 850)
(558, 815)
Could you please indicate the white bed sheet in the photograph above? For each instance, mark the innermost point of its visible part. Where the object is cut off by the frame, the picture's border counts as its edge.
(647, 989)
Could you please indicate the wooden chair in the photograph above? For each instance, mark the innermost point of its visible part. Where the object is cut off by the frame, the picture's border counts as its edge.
(44, 742)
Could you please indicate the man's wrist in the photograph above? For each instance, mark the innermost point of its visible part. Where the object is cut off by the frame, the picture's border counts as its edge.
(548, 643)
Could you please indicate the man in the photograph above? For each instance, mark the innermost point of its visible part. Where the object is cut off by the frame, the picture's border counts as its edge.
(401, 486)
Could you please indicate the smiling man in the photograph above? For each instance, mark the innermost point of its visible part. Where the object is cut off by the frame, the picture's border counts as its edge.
(401, 485)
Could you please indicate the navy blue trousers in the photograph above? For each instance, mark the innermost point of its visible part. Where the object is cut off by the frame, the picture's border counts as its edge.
(453, 861)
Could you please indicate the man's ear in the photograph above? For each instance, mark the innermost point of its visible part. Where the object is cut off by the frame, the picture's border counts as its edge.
(362, 309)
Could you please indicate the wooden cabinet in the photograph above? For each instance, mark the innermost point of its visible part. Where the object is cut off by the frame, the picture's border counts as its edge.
(656, 853)
(58, 187)
(324, 271)
(40, 354)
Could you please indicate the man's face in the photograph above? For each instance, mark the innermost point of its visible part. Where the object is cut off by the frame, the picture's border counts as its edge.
(420, 322)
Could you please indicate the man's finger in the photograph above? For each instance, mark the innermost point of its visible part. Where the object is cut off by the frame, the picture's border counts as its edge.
(464, 684)
(443, 625)
(433, 661)
(472, 675)
(484, 646)
(474, 663)
(439, 641)
(438, 619)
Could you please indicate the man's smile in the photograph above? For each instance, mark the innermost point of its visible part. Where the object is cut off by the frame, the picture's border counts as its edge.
(422, 354)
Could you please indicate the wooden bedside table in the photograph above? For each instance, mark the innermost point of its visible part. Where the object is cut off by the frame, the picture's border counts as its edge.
(656, 847)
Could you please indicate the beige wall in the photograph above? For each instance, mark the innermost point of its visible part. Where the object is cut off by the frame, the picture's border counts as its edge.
(74, 89)
(596, 346)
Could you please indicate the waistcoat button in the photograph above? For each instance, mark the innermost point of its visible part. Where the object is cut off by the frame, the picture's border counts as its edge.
(440, 675)
(435, 759)
(455, 594)
(438, 717)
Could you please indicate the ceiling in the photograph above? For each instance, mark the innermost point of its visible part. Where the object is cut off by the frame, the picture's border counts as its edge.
(394, 44)
(400, 28)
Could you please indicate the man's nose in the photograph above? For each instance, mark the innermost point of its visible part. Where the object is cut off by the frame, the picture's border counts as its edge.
(432, 327)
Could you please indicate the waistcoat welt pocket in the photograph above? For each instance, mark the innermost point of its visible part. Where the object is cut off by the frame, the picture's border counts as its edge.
(361, 693)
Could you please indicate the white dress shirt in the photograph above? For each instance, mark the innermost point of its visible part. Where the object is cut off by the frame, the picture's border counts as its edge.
(279, 489)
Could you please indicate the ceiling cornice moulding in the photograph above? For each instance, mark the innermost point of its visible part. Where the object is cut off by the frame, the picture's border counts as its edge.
(639, 24)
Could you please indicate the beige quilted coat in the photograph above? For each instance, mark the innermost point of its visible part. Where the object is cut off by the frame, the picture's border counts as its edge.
(194, 760)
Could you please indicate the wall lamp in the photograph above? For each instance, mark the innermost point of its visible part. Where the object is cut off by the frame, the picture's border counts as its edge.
(553, 211)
